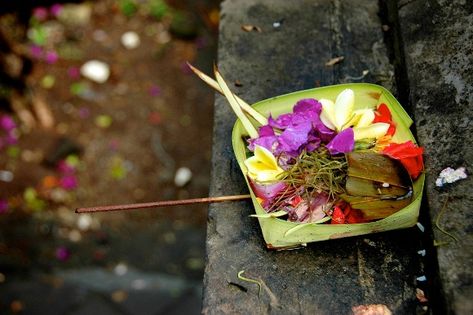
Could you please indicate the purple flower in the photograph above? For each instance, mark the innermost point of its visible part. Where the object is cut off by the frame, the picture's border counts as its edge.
(154, 90)
(300, 130)
(68, 182)
(308, 105)
(51, 57)
(11, 138)
(344, 142)
(3, 206)
(84, 112)
(73, 73)
(267, 139)
(294, 137)
(65, 167)
(270, 143)
(7, 123)
(313, 143)
(62, 253)
(325, 134)
(36, 51)
(265, 131)
(40, 13)
(282, 122)
(55, 9)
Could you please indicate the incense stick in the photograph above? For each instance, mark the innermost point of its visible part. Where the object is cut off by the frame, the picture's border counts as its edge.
(167, 203)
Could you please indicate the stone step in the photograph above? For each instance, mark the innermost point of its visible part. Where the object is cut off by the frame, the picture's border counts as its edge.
(289, 54)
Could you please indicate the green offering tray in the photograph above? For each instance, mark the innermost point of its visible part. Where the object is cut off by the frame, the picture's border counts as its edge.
(282, 234)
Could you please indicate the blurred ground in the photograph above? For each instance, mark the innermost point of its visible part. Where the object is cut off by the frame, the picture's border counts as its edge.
(67, 141)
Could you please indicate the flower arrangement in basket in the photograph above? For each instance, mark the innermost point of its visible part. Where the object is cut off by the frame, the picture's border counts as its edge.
(326, 163)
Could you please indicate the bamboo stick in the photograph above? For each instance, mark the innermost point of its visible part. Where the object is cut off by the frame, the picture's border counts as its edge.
(157, 204)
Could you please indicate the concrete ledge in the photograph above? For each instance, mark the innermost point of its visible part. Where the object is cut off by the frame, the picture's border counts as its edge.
(327, 277)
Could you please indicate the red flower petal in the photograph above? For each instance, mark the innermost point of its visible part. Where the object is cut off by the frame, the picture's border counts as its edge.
(383, 114)
(337, 216)
(409, 155)
(296, 200)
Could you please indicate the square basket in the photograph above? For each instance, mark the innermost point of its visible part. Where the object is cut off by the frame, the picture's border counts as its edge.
(281, 234)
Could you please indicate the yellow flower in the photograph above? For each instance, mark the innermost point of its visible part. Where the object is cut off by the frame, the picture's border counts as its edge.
(341, 115)
(263, 166)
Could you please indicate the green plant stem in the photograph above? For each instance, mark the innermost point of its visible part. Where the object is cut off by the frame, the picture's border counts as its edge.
(437, 225)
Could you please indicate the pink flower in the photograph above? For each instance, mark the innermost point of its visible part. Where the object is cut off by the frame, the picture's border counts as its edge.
(11, 138)
(62, 253)
(154, 90)
(55, 9)
(40, 13)
(344, 142)
(51, 57)
(36, 51)
(7, 123)
(84, 112)
(65, 168)
(68, 182)
(3, 206)
(73, 73)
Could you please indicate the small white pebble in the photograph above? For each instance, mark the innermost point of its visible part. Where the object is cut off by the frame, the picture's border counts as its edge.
(182, 177)
(421, 227)
(75, 236)
(163, 37)
(84, 222)
(130, 40)
(99, 35)
(6, 176)
(120, 269)
(138, 284)
(276, 24)
(385, 185)
(421, 278)
(449, 175)
(96, 71)
(421, 252)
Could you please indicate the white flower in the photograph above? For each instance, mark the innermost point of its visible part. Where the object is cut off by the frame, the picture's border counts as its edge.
(341, 115)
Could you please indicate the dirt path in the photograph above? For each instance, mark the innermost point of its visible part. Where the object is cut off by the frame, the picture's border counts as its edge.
(121, 141)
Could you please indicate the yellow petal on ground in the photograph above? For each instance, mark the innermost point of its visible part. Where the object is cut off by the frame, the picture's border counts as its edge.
(344, 105)
(376, 130)
(366, 117)
(328, 113)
